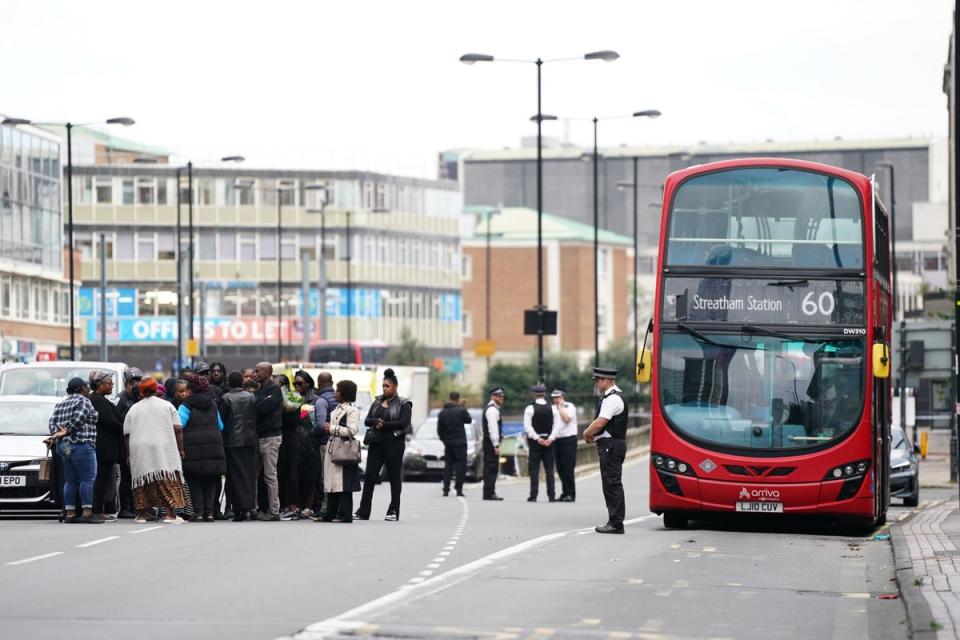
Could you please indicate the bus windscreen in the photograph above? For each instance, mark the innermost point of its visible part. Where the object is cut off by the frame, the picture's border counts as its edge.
(770, 218)
(754, 392)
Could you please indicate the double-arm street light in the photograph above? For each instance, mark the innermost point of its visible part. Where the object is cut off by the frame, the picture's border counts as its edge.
(323, 196)
(124, 121)
(902, 387)
(472, 58)
(595, 156)
(283, 186)
(179, 252)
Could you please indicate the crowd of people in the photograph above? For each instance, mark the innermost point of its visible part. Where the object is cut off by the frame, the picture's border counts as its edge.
(288, 454)
(170, 451)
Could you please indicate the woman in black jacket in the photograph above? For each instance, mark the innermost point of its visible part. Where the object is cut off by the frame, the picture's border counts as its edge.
(388, 422)
(109, 443)
(204, 460)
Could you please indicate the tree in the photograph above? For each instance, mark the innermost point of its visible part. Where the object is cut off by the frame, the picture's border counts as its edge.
(408, 351)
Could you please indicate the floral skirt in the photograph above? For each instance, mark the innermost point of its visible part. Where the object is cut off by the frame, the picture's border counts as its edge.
(160, 492)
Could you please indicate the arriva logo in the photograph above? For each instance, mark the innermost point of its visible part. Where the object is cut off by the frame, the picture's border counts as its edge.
(759, 494)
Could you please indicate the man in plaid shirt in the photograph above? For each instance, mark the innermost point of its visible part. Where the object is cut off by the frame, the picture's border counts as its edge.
(73, 428)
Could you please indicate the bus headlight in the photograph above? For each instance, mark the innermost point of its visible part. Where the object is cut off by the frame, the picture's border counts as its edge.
(848, 470)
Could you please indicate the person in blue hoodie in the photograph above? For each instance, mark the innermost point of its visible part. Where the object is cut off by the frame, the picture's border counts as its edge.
(326, 403)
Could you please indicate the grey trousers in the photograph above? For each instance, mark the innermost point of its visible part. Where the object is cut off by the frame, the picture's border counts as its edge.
(267, 454)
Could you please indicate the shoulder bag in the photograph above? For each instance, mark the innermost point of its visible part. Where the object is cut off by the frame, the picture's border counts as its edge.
(344, 449)
(45, 467)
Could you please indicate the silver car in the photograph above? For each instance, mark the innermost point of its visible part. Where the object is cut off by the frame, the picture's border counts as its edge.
(423, 456)
(23, 427)
(904, 468)
(51, 378)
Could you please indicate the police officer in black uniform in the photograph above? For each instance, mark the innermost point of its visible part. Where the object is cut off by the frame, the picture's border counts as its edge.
(492, 434)
(609, 432)
(540, 427)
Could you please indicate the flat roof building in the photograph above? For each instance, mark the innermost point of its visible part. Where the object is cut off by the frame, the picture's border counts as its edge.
(34, 292)
(403, 253)
(568, 261)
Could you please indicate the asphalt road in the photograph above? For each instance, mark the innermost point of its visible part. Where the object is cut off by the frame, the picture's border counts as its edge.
(450, 568)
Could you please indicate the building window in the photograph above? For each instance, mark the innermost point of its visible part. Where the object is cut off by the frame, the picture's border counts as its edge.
(128, 192)
(5, 294)
(146, 304)
(248, 248)
(166, 246)
(145, 191)
(208, 246)
(467, 320)
(161, 191)
(268, 245)
(227, 245)
(466, 268)
(104, 190)
(146, 247)
(125, 249)
(167, 302)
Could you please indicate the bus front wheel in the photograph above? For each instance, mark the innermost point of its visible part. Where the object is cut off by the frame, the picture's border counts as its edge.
(674, 520)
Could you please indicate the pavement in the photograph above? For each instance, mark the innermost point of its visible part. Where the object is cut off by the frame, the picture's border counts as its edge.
(453, 568)
(926, 548)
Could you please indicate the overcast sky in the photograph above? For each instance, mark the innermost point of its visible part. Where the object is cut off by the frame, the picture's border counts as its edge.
(377, 84)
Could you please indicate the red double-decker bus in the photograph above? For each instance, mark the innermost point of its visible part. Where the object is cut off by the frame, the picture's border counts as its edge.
(770, 344)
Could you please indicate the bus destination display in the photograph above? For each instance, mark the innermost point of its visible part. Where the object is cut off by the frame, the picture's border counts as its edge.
(764, 301)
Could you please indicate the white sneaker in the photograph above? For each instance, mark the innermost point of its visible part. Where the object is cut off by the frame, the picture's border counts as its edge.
(177, 520)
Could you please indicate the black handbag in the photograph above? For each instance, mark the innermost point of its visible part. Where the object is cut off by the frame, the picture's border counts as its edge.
(371, 436)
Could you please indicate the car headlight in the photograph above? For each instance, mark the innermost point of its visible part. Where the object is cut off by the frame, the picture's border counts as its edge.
(902, 466)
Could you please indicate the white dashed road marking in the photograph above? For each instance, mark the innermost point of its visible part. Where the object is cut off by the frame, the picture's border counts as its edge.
(35, 558)
(95, 542)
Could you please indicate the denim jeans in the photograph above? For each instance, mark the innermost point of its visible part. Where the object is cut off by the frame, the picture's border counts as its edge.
(79, 470)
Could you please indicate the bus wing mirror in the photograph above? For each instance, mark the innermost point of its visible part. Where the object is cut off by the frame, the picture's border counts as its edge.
(881, 360)
(644, 366)
(645, 358)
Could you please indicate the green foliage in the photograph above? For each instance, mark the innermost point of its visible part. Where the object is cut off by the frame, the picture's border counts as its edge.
(408, 351)
(562, 370)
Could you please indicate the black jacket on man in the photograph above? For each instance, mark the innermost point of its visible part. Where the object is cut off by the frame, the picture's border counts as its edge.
(269, 404)
(109, 430)
(239, 418)
(202, 442)
(450, 424)
(126, 400)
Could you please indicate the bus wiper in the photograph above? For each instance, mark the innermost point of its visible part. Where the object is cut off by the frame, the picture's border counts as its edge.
(699, 337)
(789, 283)
(749, 328)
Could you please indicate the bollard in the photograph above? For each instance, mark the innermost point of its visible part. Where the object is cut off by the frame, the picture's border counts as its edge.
(923, 445)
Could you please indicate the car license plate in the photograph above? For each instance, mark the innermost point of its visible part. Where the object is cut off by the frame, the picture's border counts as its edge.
(760, 507)
(13, 481)
(434, 464)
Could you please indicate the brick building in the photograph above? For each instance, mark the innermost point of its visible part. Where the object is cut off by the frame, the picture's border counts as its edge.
(567, 286)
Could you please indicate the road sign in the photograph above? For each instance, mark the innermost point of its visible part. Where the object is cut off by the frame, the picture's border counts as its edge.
(193, 348)
(484, 348)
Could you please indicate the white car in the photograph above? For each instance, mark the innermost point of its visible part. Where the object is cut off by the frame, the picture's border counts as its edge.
(51, 378)
(23, 426)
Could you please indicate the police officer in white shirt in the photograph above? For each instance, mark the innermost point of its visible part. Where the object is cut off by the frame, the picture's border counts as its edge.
(541, 430)
(565, 416)
(492, 434)
(609, 431)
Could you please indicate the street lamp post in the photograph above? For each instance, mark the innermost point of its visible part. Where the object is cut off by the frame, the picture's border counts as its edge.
(126, 122)
(471, 58)
(321, 262)
(897, 310)
(646, 113)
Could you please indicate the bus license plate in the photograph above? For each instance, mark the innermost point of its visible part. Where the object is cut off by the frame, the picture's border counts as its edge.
(13, 481)
(760, 507)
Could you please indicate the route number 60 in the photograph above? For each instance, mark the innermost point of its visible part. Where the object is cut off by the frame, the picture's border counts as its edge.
(823, 304)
